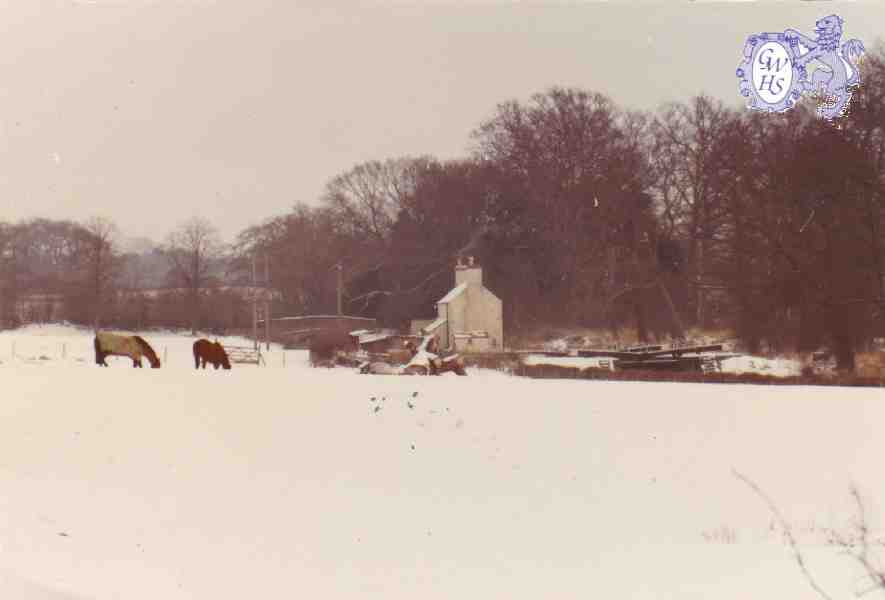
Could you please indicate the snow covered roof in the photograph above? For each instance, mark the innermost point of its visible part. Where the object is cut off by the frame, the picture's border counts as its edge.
(330, 317)
(434, 326)
(374, 337)
(453, 293)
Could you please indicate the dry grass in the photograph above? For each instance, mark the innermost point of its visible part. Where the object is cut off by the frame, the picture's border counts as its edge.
(870, 364)
(720, 535)
(709, 336)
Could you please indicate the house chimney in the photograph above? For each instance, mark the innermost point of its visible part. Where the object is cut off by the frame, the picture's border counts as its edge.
(471, 273)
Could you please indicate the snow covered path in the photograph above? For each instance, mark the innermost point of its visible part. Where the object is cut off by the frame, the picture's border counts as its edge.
(291, 482)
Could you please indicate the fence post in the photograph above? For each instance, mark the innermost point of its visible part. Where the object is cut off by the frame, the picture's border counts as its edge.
(164, 355)
(64, 351)
(13, 349)
(284, 357)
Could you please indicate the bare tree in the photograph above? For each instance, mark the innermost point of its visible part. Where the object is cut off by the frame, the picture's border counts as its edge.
(302, 248)
(100, 262)
(193, 249)
(367, 198)
(575, 170)
(8, 279)
(858, 543)
(686, 136)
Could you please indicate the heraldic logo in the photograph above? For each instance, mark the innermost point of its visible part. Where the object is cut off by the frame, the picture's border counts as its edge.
(774, 73)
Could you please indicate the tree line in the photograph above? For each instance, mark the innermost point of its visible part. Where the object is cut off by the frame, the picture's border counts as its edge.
(581, 213)
(85, 273)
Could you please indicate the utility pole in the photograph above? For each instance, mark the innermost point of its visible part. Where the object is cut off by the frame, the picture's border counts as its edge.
(340, 268)
(266, 303)
(254, 308)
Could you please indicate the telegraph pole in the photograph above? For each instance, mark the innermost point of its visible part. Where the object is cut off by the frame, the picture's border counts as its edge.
(266, 303)
(340, 268)
(254, 308)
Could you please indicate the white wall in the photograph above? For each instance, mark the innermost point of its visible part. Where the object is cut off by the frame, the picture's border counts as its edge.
(471, 275)
(489, 310)
(476, 309)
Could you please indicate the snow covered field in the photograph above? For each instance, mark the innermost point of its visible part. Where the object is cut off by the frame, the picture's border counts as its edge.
(286, 481)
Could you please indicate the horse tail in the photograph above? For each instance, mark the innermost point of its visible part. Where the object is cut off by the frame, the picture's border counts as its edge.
(852, 51)
(98, 352)
(197, 345)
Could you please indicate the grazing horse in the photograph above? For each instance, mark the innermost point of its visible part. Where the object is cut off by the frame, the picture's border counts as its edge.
(206, 351)
(115, 344)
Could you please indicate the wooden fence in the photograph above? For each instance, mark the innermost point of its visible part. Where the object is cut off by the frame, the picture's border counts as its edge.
(244, 354)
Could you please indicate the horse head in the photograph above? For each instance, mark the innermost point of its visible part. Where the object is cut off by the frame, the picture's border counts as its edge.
(148, 352)
(225, 361)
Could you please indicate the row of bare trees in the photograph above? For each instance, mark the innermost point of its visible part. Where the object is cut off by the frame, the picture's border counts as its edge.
(552, 199)
(84, 267)
(581, 213)
(586, 214)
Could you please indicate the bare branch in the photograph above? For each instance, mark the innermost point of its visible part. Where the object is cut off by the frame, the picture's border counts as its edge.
(369, 295)
(787, 532)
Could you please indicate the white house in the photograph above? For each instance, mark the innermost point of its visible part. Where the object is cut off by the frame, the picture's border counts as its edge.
(470, 317)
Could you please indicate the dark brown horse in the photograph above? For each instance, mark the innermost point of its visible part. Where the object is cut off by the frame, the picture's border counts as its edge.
(115, 344)
(210, 352)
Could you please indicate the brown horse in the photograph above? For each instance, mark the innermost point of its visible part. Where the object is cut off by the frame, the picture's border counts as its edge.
(206, 351)
(115, 344)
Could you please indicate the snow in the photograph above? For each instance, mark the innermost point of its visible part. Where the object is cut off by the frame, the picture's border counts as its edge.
(53, 346)
(778, 367)
(285, 481)
(575, 362)
(373, 337)
(559, 345)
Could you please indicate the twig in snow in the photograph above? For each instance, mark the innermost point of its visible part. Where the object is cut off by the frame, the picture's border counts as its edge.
(787, 532)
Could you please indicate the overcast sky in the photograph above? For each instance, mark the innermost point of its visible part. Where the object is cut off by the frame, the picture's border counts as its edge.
(152, 111)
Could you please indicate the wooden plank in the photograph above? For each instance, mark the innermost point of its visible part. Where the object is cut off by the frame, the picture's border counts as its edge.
(676, 352)
(627, 355)
(663, 364)
(609, 354)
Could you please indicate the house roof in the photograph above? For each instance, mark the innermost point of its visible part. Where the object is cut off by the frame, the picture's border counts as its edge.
(368, 338)
(453, 293)
(434, 326)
